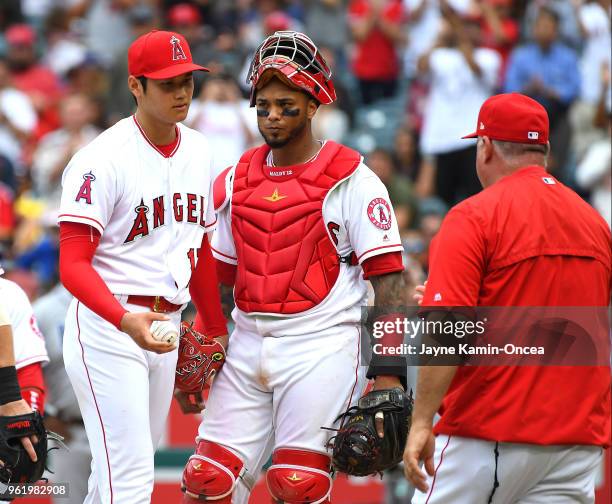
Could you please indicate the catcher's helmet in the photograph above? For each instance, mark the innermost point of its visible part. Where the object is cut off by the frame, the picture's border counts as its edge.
(296, 58)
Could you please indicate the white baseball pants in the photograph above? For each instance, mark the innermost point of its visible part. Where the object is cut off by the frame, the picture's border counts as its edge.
(279, 391)
(124, 394)
(467, 469)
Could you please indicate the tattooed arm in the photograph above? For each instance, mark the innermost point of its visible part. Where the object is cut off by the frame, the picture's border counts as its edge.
(388, 370)
(389, 290)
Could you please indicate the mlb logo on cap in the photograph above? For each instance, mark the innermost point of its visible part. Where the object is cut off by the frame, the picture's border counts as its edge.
(512, 117)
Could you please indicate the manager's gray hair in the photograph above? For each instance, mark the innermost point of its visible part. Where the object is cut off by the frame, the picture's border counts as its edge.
(510, 150)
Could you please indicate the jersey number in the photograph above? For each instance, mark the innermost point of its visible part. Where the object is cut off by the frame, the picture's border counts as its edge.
(192, 255)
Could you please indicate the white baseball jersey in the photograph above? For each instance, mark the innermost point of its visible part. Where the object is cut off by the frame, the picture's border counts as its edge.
(151, 210)
(28, 342)
(359, 217)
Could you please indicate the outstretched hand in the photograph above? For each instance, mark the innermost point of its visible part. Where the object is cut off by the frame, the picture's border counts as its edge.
(419, 448)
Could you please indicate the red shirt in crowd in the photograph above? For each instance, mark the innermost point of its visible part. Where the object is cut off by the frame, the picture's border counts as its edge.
(527, 240)
(375, 56)
(7, 213)
(45, 90)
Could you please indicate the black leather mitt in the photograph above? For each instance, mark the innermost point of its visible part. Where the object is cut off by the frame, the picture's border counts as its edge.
(16, 465)
(357, 448)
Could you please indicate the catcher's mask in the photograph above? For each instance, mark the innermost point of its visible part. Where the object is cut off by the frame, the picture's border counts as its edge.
(298, 61)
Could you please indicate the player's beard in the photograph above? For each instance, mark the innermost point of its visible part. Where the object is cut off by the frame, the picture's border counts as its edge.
(293, 134)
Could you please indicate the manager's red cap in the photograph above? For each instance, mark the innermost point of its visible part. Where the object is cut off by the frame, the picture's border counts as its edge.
(160, 55)
(512, 117)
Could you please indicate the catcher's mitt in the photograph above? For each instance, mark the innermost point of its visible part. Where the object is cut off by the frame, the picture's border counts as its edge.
(199, 359)
(357, 449)
(16, 466)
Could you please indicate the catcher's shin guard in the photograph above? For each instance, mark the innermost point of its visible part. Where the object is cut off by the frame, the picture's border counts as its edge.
(212, 472)
(299, 476)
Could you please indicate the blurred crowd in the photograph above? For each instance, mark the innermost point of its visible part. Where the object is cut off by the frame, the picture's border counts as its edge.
(410, 74)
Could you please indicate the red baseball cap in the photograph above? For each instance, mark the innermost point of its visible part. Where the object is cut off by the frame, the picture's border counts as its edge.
(512, 117)
(277, 21)
(184, 14)
(20, 34)
(160, 55)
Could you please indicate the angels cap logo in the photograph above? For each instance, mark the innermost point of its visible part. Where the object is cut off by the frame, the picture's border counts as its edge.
(482, 126)
(533, 135)
(379, 213)
(177, 50)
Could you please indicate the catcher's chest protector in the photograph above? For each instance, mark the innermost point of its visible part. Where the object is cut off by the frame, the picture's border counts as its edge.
(287, 262)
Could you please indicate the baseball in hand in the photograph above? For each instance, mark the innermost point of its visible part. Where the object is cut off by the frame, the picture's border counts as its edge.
(164, 330)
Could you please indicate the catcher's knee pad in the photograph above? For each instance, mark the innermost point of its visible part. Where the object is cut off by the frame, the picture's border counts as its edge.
(211, 473)
(299, 476)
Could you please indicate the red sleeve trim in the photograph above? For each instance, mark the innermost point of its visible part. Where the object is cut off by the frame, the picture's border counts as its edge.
(378, 248)
(82, 217)
(222, 254)
(382, 264)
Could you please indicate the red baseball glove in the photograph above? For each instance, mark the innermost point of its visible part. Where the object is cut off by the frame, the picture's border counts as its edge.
(199, 359)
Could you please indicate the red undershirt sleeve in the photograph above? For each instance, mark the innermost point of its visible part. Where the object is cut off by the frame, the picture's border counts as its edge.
(382, 264)
(32, 385)
(204, 290)
(226, 273)
(78, 243)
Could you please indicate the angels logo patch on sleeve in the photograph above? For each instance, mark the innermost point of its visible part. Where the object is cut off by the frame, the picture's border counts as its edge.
(379, 213)
(85, 190)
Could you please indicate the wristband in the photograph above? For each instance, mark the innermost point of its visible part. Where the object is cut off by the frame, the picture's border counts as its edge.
(9, 386)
